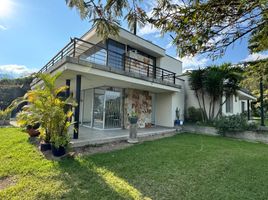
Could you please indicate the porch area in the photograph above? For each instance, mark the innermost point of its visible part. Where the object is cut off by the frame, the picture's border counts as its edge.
(90, 136)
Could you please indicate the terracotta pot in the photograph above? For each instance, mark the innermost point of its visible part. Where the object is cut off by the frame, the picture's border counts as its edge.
(33, 133)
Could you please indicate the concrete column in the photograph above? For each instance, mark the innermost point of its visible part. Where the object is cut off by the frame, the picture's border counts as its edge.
(77, 108)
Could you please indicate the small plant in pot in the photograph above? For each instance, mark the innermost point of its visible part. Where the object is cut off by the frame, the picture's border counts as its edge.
(59, 144)
(177, 120)
(133, 118)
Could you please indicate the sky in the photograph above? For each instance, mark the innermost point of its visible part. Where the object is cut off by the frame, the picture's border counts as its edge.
(33, 31)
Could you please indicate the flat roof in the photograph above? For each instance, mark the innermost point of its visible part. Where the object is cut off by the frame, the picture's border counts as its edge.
(91, 29)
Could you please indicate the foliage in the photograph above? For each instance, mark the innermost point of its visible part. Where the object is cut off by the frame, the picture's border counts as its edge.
(187, 166)
(211, 84)
(194, 114)
(195, 26)
(10, 89)
(5, 114)
(48, 109)
(253, 72)
(233, 123)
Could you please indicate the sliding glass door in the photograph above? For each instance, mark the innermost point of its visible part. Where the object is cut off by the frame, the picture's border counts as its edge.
(107, 109)
(112, 109)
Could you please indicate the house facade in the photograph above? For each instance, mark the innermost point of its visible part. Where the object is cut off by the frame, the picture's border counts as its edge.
(112, 78)
(234, 104)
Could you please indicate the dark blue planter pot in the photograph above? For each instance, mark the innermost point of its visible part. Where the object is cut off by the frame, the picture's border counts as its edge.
(58, 151)
(45, 146)
(176, 122)
(133, 120)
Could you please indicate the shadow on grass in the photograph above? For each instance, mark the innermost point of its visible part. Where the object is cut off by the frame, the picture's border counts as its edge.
(84, 179)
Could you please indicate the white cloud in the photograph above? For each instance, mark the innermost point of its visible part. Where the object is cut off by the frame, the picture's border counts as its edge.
(169, 45)
(3, 27)
(16, 70)
(148, 29)
(255, 56)
(194, 62)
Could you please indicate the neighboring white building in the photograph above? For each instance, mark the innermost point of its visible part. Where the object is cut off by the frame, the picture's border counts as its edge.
(112, 78)
(235, 104)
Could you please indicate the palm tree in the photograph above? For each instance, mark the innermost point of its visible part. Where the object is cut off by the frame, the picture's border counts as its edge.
(215, 82)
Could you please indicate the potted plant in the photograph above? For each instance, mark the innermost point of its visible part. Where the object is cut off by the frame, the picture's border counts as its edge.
(52, 112)
(59, 144)
(60, 138)
(177, 120)
(133, 119)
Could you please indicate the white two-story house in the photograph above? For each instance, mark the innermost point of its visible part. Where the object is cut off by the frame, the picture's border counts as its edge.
(114, 77)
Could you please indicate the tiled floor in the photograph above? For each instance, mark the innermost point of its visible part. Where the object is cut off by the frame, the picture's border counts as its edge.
(89, 136)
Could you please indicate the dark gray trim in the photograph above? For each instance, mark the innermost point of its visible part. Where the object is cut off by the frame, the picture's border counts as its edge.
(77, 108)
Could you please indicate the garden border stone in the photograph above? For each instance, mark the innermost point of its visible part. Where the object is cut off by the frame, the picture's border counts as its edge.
(253, 136)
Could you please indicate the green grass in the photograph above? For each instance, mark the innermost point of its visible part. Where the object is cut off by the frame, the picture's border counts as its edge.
(181, 167)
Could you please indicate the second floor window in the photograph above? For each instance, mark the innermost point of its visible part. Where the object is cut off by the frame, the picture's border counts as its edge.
(116, 53)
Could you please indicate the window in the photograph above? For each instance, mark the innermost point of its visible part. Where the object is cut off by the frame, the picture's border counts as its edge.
(116, 53)
(229, 104)
(243, 106)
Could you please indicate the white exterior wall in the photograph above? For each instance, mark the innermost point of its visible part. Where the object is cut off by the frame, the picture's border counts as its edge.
(166, 104)
(237, 106)
(164, 109)
(170, 64)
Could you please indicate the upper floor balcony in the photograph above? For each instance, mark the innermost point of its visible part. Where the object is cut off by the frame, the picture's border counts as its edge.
(99, 55)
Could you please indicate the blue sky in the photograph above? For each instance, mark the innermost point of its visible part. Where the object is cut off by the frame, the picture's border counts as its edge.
(32, 32)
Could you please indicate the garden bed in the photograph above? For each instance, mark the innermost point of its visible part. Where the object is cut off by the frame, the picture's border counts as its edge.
(254, 136)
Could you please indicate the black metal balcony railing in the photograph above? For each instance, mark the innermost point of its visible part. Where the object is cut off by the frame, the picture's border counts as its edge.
(98, 54)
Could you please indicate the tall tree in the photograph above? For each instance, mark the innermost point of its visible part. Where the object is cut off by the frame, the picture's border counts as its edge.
(211, 84)
(196, 26)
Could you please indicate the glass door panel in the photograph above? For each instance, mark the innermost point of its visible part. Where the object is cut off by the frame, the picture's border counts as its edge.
(98, 108)
(112, 109)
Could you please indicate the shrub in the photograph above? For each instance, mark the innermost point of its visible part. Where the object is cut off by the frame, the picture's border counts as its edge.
(5, 114)
(233, 123)
(194, 114)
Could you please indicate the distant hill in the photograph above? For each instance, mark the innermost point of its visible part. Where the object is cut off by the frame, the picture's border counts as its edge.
(6, 76)
(11, 88)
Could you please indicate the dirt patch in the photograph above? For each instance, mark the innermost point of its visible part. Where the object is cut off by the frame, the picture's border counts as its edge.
(6, 182)
(103, 148)
(112, 146)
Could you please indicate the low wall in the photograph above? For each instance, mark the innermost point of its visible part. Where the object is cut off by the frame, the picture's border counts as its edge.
(255, 136)
(250, 136)
(205, 130)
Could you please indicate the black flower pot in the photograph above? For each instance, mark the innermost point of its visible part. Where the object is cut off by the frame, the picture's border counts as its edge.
(45, 146)
(133, 120)
(58, 151)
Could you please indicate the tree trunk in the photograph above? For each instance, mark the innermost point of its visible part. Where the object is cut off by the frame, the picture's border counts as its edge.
(204, 105)
(199, 103)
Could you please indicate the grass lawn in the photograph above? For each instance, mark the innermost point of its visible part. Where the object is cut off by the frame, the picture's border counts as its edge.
(181, 167)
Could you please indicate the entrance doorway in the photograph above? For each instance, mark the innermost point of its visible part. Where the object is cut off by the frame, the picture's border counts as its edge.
(107, 108)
